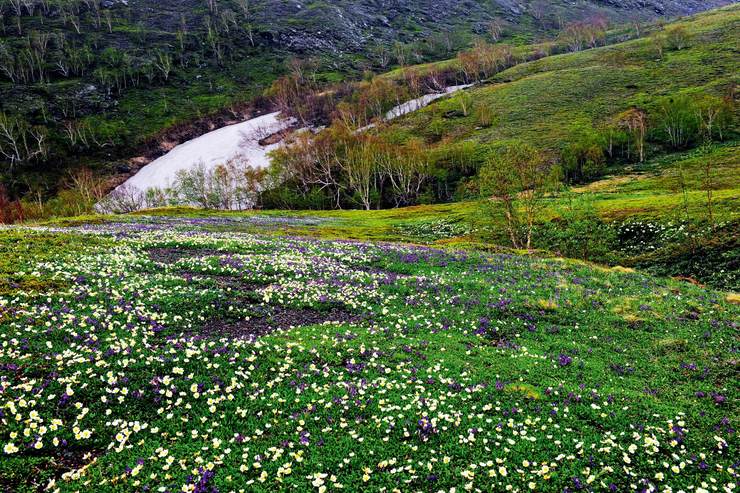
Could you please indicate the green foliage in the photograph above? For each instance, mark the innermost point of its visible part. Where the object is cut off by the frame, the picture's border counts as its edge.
(583, 158)
(579, 232)
(708, 254)
(572, 103)
(20, 251)
(516, 177)
(432, 231)
(677, 38)
(677, 121)
(185, 354)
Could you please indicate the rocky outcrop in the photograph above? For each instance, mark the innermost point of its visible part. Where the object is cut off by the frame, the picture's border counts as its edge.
(332, 26)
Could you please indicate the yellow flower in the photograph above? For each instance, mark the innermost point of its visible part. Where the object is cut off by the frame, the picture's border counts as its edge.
(10, 448)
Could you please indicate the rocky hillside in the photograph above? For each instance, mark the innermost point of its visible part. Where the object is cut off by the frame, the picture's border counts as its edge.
(92, 81)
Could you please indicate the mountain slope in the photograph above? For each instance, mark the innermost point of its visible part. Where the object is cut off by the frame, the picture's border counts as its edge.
(554, 101)
(100, 78)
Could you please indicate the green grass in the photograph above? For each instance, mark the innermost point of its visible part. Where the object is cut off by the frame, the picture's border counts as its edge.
(648, 193)
(463, 370)
(550, 101)
(21, 251)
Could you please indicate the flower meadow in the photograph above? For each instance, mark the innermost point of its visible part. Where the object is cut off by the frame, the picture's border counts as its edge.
(187, 356)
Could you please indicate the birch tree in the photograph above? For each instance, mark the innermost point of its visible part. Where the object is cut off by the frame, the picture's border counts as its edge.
(517, 178)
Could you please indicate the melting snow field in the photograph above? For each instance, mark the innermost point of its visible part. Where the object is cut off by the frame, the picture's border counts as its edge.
(419, 103)
(241, 142)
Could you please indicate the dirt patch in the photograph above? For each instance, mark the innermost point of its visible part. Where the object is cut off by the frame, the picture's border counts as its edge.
(48, 467)
(172, 255)
(236, 283)
(71, 460)
(270, 319)
(277, 137)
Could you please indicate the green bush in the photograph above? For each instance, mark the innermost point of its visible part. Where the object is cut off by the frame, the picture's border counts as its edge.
(579, 232)
(583, 158)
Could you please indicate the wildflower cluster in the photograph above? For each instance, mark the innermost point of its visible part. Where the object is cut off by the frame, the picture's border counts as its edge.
(431, 231)
(192, 356)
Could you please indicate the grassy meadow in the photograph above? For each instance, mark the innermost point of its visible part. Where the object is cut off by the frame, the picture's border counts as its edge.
(204, 352)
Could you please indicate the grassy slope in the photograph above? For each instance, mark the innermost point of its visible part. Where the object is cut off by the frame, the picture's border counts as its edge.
(549, 101)
(648, 193)
(501, 345)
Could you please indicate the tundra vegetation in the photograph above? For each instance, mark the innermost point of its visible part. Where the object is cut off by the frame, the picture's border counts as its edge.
(642, 108)
(102, 81)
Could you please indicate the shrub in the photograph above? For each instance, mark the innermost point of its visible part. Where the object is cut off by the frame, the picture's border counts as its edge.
(579, 233)
(516, 179)
(677, 38)
(484, 115)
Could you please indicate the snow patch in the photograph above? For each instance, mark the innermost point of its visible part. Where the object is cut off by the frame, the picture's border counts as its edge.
(239, 141)
(419, 103)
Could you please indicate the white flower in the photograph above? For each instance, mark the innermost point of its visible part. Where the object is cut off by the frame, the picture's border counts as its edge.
(10, 448)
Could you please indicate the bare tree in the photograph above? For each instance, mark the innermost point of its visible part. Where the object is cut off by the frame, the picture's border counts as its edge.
(163, 63)
(382, 54)
(17, 6)
(90, 187)
(716, 116)
(228, 20)
(108, 16)
(402, 53)
(21, 142)
(80, 135)
(213, 38)
(495, 29)
(182, 36)
(470, 65)
(75, 21)
(406, 169)
(124, 199)
(538, 10)
(247, 10)
(7, 62)
(93, 8)
(360, 165)
(12, 140)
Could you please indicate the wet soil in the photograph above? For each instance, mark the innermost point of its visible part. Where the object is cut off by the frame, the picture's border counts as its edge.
(269, 319)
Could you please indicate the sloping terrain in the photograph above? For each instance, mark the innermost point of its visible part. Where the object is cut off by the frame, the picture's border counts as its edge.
(553, 101)
(99, 80)
(184, 354)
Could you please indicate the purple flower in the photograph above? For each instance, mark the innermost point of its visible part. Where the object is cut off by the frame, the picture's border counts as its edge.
(719, 399)
(564, 359)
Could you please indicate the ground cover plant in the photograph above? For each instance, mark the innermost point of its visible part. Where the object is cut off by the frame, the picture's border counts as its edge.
(211, 354)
